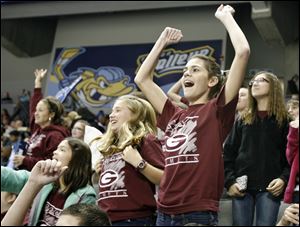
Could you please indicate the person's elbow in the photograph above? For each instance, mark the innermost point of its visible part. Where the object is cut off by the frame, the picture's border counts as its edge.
(138, 80)
(243, 52)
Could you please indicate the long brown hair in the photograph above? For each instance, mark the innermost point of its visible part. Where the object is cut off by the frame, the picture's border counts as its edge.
(276, 101)
(79, 170)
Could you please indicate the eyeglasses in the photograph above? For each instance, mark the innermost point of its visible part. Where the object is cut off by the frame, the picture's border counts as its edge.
(258, 80)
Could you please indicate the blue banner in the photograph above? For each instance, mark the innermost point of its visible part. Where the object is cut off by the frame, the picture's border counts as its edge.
(94, 77)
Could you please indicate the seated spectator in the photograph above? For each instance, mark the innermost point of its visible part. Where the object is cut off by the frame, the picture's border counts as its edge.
(78, 128)
(18, 147)
(70, 118)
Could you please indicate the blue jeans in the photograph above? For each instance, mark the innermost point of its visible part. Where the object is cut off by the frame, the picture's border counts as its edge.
(267, 207)
(198, 217)
(146, 221)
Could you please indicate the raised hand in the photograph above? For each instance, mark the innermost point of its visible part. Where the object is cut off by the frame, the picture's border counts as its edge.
(170, 36)
(46, 171)
(224, 11)
(39, 76)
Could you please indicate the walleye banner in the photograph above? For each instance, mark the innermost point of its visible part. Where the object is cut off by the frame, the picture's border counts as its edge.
(93, 77)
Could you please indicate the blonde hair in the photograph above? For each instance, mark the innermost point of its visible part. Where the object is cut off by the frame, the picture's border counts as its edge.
(276, 101)
(142, 122)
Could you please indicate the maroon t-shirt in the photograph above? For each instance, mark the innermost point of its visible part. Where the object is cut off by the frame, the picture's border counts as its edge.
(193, 179)
(52, 209)
(123, 191)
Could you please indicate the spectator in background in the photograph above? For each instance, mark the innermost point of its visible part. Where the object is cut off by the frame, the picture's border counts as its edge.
(291, 194)
(78, 128)
(45, 126)
(18, 147)
(70, 118)
(293, 108)
(242, 104)
(293, 85)
(255, 150)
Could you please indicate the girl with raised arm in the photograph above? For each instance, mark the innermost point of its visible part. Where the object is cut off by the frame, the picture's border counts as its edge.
(193, 179)
(46, 126)
(58, 187)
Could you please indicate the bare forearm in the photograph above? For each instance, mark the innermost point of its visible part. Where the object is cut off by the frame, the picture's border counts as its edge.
(16, 213)
(147, 68)
(237, 70)
(153, 174)
(237, 36)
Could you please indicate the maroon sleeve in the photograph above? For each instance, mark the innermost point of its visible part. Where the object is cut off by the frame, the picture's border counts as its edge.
(36, 97)
(49, 146)
(168, 111)
(292, 144)
(151, 151)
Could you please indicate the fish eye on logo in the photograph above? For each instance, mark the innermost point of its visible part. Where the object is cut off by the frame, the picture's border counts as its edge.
(108, 178)
(175, 142)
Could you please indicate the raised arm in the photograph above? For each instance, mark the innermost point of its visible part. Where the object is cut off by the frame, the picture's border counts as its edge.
(144, 77)
(37, 95)
(240, 44)
(43, 173)
(39, 76)
(173, 92)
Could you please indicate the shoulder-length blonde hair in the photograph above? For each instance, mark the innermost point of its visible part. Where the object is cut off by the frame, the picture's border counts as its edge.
(276, 101)
(141, 123)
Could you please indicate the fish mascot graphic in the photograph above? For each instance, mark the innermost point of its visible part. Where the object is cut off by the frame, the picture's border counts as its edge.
(89, 87)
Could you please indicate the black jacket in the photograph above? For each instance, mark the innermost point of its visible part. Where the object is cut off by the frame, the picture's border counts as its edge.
(258, 151)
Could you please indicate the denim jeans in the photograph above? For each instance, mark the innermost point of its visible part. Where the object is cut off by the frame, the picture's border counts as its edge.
(146, 221)
(192, 218)
(267, 207)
